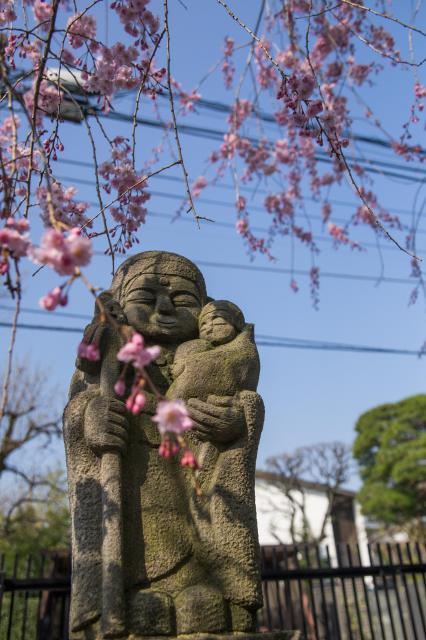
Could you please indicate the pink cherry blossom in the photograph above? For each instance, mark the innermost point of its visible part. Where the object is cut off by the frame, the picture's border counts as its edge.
(14, 239)
(7, 11)
(340, 235)
(241, 226)
(199, 184)
(114, 69)
(228, 68)
(172, 417)
(120, 176)
(137, 20)
(63, 254)
(65, 208)
(135, 352)
(120, 387)
(188, 460)
(136, 402)
(81, 28)
(168, 448)
(49, 100)
(42, 12)
(52, 299)
(88, 351)
(188, 100)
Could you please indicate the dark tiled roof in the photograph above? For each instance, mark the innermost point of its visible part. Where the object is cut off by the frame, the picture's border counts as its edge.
(274, 478)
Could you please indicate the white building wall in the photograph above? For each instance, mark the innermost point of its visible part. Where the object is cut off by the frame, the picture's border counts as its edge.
(273, 518)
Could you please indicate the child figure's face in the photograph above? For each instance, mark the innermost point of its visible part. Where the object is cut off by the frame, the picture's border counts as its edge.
(216, 329)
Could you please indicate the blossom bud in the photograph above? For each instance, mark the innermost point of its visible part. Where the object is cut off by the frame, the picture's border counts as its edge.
(120, 387)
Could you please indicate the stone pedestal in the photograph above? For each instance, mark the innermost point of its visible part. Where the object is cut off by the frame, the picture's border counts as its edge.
(270, 635)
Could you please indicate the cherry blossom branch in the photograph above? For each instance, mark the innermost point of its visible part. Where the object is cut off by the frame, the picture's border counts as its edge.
(6, 381)
(143, 179)
(40, 70)
(138, 97)
(256, 38)
(383, 15)
(250, 53)
(383, 54)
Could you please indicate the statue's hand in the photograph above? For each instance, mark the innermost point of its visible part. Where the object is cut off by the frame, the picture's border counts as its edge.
(221, 419)
(105, 425)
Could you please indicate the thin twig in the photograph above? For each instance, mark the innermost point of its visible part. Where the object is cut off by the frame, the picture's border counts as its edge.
(256, 38)
(149, 175)
(6, 382)
(383, 15)
(250, 53)
(174, 121)
(320, 13)
(34, 135)
(138, 97)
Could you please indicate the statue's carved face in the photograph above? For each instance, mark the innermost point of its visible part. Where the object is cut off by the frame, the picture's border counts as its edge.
(163, 308)
(216, 329)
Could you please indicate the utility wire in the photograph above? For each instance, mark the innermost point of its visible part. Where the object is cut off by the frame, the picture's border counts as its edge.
(217, 135)
(293, 272)
(268, 117)
(62, 314)
(265, 341)
(221, 203)
(244, 189)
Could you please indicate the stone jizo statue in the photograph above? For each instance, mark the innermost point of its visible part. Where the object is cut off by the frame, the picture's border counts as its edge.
(151, 557)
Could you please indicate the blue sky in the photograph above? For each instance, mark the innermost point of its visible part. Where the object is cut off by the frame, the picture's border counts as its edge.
(310, 396)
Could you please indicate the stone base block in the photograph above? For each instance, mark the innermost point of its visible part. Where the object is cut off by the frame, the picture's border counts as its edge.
(270, 635)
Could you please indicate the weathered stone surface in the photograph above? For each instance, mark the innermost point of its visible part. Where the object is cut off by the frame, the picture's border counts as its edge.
(150, 557)
(273, 635)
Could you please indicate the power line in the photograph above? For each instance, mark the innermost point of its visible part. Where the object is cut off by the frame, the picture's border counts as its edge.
(202, 200)
(270, 118)
(295, 272)
(222, 203)
(63, 314)
(264, 341)
(217, 135)
(302, 272)
(243, 189)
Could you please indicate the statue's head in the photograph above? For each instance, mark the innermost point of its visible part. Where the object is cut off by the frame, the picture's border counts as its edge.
(161, 295)
(220, 321)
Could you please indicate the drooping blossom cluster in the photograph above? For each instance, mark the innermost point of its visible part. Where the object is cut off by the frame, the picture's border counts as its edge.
(49, 100)
(130, 188)
(135, 352)
(7, 11)
(173, 420)
(115, 68)
(14, 242)
(88, 351)
(53, 298)
(137, 19)
(63, 253)
(172, 417)
(312, 76)
(59, 203)
(228, 68)
(187, 100)
(80, 28)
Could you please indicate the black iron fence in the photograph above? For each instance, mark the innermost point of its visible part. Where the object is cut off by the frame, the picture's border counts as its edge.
(376, 594)
(379, 594)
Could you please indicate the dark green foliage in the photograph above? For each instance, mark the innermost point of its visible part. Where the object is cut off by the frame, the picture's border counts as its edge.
(391, 451)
